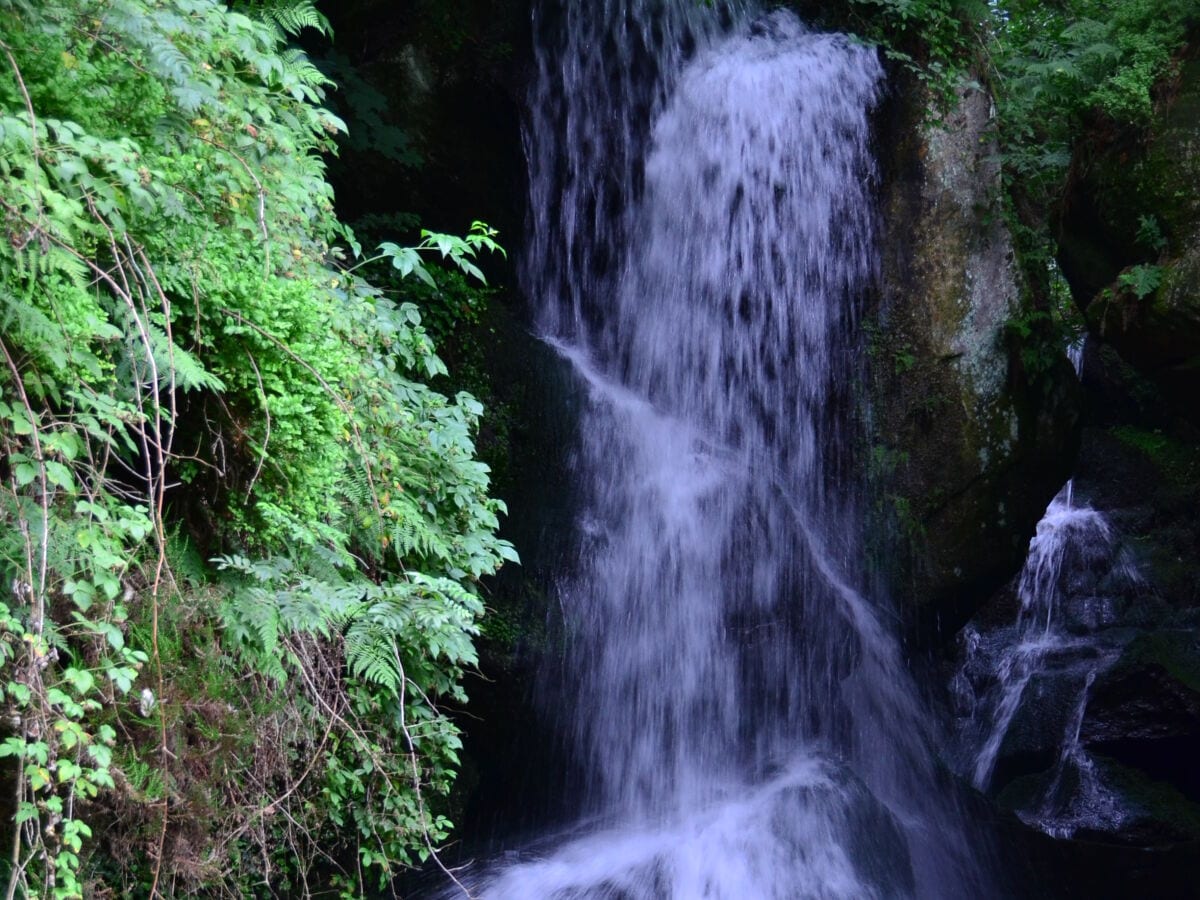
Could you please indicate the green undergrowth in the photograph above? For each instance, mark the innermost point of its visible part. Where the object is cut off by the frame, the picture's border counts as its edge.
(934, 41)
(1060, 70)
(244, 530)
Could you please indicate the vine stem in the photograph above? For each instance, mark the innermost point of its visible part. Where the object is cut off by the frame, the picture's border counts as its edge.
(158, 481)
(38, 592)
(33, 126)
(262, 201)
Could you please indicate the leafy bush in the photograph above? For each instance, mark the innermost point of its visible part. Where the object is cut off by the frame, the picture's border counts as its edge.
(934, 40)
(189, 369)
(1058, 67)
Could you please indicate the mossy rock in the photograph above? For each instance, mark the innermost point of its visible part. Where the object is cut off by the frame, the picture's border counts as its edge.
(1158, 332)
(1129, 239)
(1176, 652)
(1151, 694)
(1148, 480)
(973, 430)
(1160, 813)
(1152, 813)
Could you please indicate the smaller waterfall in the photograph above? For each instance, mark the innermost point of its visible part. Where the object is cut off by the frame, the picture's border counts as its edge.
(1076, 794)
(1018, 679)
(1071, 541)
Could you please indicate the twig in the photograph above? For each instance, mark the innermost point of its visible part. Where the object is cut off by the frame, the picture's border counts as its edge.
(262, 200)
(33, 126)
(43, 563)
(266, 438)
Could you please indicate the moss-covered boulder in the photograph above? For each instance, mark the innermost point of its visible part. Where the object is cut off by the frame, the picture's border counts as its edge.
(1131, 808)
(975, 416)
(1129, 238)
(1152, 693)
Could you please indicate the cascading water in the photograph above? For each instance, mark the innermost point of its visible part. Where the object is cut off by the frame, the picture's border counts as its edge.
(703, 230)
(1063, 637)
(1070, 540)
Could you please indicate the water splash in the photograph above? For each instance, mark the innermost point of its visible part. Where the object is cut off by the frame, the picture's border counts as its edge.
(805, 833)
(1069, 540)
(1076, 795)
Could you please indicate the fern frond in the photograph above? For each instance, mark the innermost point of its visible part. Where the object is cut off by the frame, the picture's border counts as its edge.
(372, 656)
(298, 66)
(289, 16)
(174, 364)
(185, 369)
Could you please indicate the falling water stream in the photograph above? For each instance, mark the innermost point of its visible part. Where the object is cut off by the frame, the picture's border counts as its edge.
(703, 232)
(1062, 639)
(1070, 538)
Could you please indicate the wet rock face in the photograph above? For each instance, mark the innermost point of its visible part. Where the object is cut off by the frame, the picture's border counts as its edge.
(968, 445)
(1094, 723)
(1129, 237)
(1145, 712)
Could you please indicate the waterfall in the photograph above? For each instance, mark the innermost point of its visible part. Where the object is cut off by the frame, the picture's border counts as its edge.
(702, 234)
(715, 378)
(1062, 639)
(1076, 796)
(1070, 541)
(1063, 635)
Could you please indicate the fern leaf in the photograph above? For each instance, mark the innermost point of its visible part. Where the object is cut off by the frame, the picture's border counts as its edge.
(290, 17)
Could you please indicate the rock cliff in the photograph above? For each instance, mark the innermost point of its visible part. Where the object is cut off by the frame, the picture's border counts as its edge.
(974, 426)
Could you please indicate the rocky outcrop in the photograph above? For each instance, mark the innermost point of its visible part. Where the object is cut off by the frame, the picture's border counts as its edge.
(974, 421)
(1129, 237)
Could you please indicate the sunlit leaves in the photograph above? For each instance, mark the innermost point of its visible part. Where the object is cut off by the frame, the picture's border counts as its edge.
(1060, 66)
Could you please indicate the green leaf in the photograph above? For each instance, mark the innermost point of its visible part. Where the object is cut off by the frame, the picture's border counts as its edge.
(59, 475)
(26, 811)
(80, 679)
(12, 746)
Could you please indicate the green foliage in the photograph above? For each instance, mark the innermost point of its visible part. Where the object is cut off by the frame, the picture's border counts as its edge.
(903, 359)
(189, 363)
(931, 39)
(1040, 338)
(290, 17)
(368, 111)
(1143, 280)
(1058, 67)
(1150, 235)
(1177, 461)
